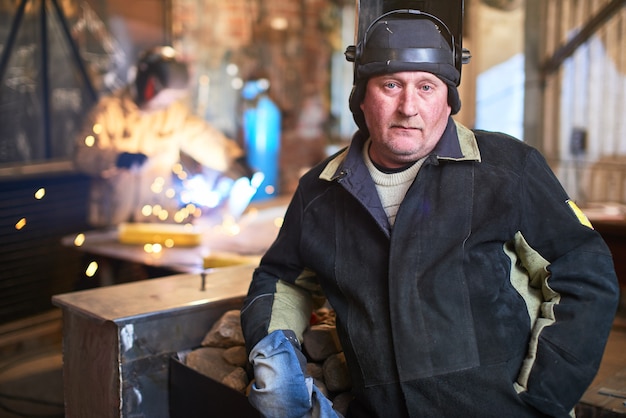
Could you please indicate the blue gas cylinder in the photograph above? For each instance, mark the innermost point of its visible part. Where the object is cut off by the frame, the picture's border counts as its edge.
(261, 134)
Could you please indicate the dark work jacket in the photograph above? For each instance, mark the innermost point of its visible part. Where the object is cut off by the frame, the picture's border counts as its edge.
(489, 297)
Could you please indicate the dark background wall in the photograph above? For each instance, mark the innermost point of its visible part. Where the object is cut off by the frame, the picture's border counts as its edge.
(45, 92)
(33, 263)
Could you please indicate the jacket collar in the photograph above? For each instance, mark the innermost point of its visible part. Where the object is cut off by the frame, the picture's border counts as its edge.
(457, 143)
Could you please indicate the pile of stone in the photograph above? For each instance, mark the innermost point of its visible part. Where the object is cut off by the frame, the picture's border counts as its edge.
(222, 356)
(326, 361)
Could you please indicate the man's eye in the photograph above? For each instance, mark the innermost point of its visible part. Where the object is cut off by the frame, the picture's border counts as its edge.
(391, 85)
(427, 87)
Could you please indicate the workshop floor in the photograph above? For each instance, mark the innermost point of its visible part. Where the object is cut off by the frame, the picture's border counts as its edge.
(614, 356)
(31, 382)
(606, 396)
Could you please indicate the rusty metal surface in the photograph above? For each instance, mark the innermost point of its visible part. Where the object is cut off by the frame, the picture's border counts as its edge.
(129, 302)
(117, 340)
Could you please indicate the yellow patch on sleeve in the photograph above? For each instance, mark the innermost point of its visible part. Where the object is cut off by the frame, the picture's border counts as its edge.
(582, 218)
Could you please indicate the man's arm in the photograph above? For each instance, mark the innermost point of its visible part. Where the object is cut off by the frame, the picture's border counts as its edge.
(275, 314)
(205, 143)
(579, 289)
(280, 295)
(95, 152)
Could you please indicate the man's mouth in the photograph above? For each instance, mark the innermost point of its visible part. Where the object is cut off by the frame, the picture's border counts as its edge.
(404, 127)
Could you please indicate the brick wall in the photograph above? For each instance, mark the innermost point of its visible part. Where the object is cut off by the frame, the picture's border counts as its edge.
(288, 41)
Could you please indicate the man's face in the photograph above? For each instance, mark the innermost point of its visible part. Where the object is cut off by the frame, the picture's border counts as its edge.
(163, 99)
(406, 114)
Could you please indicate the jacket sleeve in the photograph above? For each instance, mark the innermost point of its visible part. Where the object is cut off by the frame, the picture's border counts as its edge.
(282, 290)
(207, 145)
(96, 149)
(579, 289)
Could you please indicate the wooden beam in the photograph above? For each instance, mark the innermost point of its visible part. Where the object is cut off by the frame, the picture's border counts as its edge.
(566, 50)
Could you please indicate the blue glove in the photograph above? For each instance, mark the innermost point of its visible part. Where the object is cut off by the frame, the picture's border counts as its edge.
(281, 389)
(127, 160)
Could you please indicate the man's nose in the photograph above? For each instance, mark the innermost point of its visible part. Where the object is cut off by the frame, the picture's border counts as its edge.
(408, 105)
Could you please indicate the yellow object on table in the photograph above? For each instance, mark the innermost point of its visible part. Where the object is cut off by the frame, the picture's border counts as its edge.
(155, 233)
(226, 259)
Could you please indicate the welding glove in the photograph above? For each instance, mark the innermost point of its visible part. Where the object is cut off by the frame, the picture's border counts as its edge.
(281, 388)
(241, 167)
(127, 160)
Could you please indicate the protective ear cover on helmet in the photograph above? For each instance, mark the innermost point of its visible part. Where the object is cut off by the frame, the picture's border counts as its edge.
(157, 69)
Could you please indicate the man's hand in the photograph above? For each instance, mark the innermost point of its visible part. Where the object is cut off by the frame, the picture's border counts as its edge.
(281, 389)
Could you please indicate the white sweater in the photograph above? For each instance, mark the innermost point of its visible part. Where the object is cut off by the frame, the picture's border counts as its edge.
(391, 187)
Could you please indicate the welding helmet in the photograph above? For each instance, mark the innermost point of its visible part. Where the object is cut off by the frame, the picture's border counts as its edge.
(405, 40)
(159, 69)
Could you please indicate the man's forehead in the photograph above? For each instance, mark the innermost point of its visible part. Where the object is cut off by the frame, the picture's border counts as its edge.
(409, 76)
